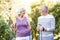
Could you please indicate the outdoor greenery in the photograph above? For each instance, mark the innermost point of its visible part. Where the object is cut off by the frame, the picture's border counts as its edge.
(55, 11)
(6, 19)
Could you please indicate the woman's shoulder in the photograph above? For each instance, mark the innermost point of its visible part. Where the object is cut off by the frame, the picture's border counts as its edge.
(28, 19)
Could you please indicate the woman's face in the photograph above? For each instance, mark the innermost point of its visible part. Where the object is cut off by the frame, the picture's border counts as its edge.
(22, 13)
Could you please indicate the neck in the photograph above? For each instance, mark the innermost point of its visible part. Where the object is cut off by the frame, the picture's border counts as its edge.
(44, 14)
(20, 16)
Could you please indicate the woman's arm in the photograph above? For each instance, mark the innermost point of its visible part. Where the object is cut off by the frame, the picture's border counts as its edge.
(13, 25)
(29, 26)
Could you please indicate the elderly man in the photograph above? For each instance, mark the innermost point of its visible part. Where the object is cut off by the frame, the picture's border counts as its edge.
(46, 24)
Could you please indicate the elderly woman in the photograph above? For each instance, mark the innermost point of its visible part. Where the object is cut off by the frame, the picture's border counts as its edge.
(22, 26)
(46, 24)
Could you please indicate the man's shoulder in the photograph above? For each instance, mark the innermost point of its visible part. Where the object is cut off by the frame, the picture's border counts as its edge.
(50, 16)
(40, 17)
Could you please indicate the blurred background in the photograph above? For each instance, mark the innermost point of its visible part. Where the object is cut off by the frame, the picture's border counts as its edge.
(8, 9)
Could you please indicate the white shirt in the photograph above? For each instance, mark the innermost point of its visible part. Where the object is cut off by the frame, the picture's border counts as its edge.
(48, 22)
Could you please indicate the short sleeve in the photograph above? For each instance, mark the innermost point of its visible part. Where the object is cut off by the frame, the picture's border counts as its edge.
(14, 20)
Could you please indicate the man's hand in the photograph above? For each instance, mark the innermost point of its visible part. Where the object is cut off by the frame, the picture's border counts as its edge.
(39, 27)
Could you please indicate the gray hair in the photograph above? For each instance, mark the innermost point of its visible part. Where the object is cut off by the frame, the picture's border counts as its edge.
(44, 7)
(20, 10)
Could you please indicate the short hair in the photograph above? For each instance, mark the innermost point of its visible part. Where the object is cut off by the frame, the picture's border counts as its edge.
(44, 7)
(20, 10)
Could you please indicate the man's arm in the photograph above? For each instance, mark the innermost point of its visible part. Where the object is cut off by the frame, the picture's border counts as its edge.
(52, 26)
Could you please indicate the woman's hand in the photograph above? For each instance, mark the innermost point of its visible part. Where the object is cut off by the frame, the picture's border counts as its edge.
(28, 23)
(29, 28)
(13, 27)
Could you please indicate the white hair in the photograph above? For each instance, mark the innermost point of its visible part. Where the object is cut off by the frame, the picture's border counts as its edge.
(44, 7)
(20, 10)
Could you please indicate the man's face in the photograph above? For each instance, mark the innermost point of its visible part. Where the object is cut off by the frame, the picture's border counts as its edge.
(42, 11)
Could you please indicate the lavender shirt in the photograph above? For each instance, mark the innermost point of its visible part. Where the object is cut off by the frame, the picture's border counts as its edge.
(22, 27)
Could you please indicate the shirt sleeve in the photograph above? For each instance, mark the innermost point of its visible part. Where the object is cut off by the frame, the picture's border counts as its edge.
(38, 22)
(52, 25)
